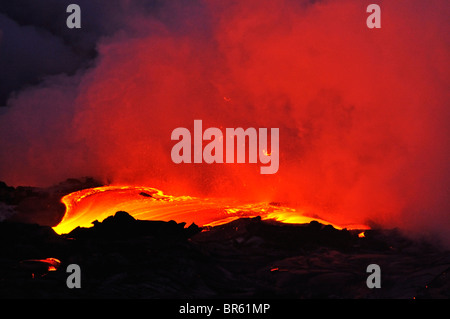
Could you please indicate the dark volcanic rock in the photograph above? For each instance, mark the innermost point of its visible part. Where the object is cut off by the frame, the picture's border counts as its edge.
(41, 205)
(145, 194)
(122, 225)
(122, 257)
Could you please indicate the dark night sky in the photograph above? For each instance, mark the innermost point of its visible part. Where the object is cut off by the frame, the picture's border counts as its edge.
(35, 41)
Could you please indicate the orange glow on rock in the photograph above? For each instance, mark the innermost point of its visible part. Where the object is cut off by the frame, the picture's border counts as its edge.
(267, 153)
(40, 266)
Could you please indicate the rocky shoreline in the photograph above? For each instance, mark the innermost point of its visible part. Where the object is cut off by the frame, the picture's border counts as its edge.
(122, 257)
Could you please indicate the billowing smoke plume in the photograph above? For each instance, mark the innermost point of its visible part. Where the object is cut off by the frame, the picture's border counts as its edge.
(363, 113)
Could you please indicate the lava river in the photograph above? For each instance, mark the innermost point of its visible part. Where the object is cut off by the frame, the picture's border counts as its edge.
(146, 203)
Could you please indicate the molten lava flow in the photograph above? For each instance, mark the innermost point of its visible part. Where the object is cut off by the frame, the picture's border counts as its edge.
(85, 206)
(40, 266)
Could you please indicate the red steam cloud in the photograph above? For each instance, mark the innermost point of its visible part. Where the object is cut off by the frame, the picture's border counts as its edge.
(362, 113)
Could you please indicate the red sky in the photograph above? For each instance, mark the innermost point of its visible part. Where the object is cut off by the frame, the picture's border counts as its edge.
(362, 113)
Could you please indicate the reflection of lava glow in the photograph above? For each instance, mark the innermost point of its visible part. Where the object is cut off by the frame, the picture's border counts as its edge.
(85, 206)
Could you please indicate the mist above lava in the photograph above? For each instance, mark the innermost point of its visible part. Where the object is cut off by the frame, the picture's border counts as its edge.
(362, 114)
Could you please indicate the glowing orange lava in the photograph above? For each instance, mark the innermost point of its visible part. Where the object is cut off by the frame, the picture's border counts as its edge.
(85, 206)
(40, 266)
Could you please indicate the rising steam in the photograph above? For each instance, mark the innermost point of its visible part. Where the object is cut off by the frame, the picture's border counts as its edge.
(363, 114)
